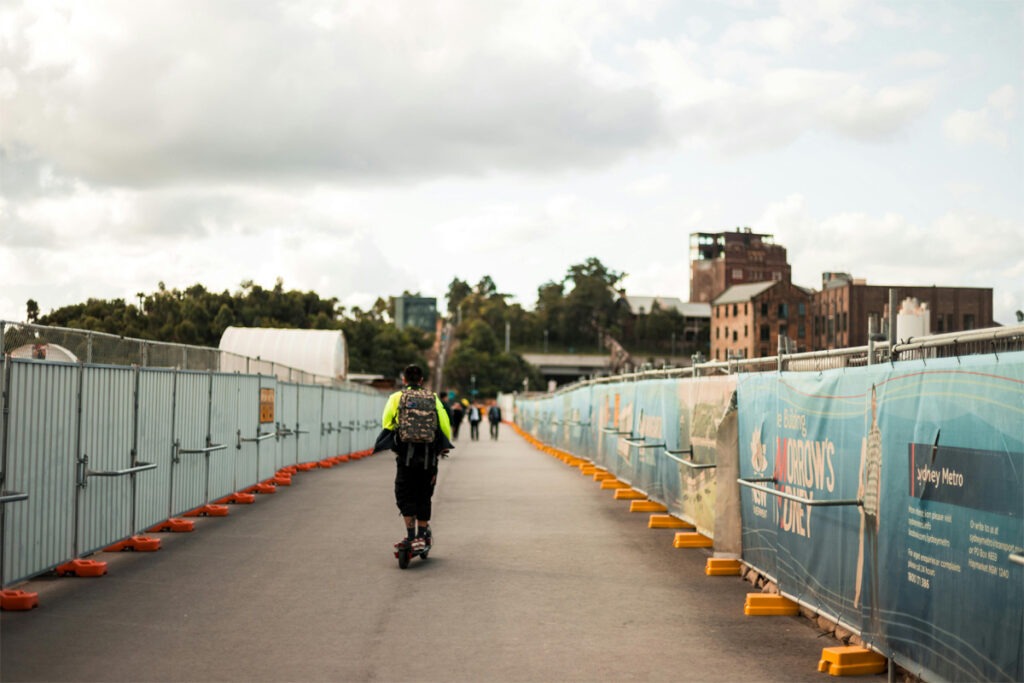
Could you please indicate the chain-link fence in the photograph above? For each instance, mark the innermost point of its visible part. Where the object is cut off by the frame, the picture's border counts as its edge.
(25, 340)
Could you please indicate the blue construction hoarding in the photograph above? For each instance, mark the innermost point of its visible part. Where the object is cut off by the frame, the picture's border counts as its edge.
(934, 452)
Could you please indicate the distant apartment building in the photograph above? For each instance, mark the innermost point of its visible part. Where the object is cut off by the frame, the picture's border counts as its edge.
(748, 320)
(843, 307)
(723, 259)
(416, 311)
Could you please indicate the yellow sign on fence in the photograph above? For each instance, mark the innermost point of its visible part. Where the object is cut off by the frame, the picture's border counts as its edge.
(266, 406)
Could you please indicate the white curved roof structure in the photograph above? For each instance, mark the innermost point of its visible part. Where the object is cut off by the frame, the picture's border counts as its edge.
(320, 352)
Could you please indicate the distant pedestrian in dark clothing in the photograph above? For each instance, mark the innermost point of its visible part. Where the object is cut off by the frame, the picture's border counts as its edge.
(474, 422)
(457, 415)
(494, 417)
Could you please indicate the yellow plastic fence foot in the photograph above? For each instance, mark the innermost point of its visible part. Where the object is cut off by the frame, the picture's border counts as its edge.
(614, 484)
(647, 506)
(720, 566)
(601, 475)
(589, 470)
(629, 494)
(667, 522)
(691, 539)
(766, 604)
(850, 661)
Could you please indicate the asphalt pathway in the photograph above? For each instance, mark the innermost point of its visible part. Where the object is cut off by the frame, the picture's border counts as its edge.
(536, 575)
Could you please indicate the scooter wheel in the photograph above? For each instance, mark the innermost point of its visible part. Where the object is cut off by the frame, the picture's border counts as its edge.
(403, 558)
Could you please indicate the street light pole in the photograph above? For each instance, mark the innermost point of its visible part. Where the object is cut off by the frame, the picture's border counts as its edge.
(545, 341)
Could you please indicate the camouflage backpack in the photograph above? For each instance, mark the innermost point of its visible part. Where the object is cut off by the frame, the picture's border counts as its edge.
(417, 416)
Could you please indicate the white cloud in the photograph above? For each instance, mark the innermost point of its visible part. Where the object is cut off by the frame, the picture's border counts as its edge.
(956, 249)
(920, 59)
(650, 185)
(986, 125)
(304, 92)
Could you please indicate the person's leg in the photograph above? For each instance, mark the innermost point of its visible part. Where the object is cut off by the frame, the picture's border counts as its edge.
(425, 494)
(406, 501)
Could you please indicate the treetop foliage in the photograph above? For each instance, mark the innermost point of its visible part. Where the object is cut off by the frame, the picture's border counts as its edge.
(570, 315)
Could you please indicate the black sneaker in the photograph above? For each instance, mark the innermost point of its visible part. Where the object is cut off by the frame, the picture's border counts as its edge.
(425, 535)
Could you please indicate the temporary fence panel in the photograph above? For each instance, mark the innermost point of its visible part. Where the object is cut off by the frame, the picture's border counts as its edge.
(925, 463)
(223, 464)
(329, 427)
(192, 443)
(264, 429)
(309, 438)
(702, 405)
(106, 473)
(289, 407)
(153, 501)
(581, 423)
(38, 533)
(243, 443)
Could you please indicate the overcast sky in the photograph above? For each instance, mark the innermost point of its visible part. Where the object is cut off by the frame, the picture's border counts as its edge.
(360, 149)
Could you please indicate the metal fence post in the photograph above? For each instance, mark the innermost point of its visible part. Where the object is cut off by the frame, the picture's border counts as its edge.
(88, 347)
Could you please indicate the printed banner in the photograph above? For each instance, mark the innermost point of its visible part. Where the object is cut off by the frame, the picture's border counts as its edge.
(934, 453)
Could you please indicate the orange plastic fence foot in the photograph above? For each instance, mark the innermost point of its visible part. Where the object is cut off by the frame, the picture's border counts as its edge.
(306, 466)
(282, 480)
(240, 498)
(721, 566)
(291, 469)
(209, 511)
(629, 494)
(326, 463)
(667, 522)
(601, 475)
(16, 601)
(646, 506)
(851, 661)
(342, 458)
(142, 544)
(173, 524)
(82, 568)
(691, 539)
(767, 604)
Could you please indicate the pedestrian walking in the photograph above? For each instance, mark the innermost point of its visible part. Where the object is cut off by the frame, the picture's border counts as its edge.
(474, 422)
(494, 417)
(457, 414)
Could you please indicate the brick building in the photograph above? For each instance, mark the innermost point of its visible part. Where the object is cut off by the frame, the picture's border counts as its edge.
(844, 305)
(747, 320)
(723, 259)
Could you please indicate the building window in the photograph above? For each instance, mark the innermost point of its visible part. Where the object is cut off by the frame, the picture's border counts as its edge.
(783, 329)
(746, 332)
(735, 336)
(746, 311)
(764, 352)
(968, 321)
(737, 273)
(734, 310)
(764, 308)
(801, 309)
(764, 333)
(801, 331)
(783, 311)
(718, 333)
(776, 276)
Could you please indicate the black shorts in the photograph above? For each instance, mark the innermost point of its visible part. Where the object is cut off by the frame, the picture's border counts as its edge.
(414, 487)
